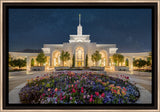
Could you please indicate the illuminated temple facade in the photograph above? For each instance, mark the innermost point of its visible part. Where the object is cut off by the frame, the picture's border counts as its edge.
(79, 45)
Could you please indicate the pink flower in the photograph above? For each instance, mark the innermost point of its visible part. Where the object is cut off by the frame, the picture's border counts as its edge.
(43, 94)
(81, 88)
(73, 90)
(97, 93)
(70, 98)
(103, 95)
(49, 89)
(91, 96)
(64, 97)
(90, 100)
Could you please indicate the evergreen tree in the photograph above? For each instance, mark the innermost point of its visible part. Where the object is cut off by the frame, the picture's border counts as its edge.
(32, 62)
(41, 58)
(96, 57)
(65, 56)
(73, 61)
(86, 61)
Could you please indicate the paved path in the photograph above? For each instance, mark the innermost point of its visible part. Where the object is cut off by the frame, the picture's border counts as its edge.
(143, 79)
(17, 78)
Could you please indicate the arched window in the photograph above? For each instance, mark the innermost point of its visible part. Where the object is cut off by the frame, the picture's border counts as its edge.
(102, 61)
(79, 57)
(56, 58)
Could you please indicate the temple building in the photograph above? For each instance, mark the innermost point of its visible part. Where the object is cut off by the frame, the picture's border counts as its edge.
(80, 46)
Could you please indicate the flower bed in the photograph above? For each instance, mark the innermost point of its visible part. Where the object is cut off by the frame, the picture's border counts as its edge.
(76, 88)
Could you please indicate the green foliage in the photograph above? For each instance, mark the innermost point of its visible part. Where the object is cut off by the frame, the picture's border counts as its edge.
(73, 60)
(41, 58)
(149, 62)
(96, 57)
(18, 63)
(65, 56)
(86, 61)
(139, 63)
(48, 85)
(126, 62)
(32, 62)
(118, 58)
(9, 59)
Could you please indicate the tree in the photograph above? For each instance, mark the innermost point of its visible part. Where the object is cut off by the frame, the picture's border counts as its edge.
(18, 62)
(73, 61)
(118, 58)
(126, 62)
(86, 61)
(65, 56)
(149, 59)
(139, 63)
(96, 57)
(41, 58)
(9, 59)
(32, 62)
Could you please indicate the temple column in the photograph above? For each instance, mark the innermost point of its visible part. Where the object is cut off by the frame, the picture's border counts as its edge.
(131, 64)
(28, 65)
(107, 64)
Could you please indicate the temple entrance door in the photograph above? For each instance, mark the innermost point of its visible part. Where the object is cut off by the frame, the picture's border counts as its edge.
(79, 64)
(79, 57)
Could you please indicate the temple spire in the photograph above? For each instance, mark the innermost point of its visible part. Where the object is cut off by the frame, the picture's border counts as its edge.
(79, 19)
(79, 28)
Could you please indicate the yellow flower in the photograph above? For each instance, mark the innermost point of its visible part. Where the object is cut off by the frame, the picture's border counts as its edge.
(118, 92)
(111, 85)
(123, 92)
(56, 90)
(118, 87)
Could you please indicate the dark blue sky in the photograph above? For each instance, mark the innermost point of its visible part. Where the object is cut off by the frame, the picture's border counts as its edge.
(130, 29)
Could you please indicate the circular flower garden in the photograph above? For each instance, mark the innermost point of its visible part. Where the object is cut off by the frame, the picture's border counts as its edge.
(78, 88)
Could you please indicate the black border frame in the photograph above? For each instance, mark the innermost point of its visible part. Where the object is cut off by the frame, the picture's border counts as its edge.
(153, 6)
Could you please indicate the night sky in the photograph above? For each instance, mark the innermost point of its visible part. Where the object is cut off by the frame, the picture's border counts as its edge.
(130, 29)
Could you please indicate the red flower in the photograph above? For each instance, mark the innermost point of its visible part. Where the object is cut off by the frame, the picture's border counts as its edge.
(73, 90)
(124, 88)
(91, 96)
(127, 77)
(103, 95)
(97, 93)
(81, 88)
(114, 91)
(82, 91)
